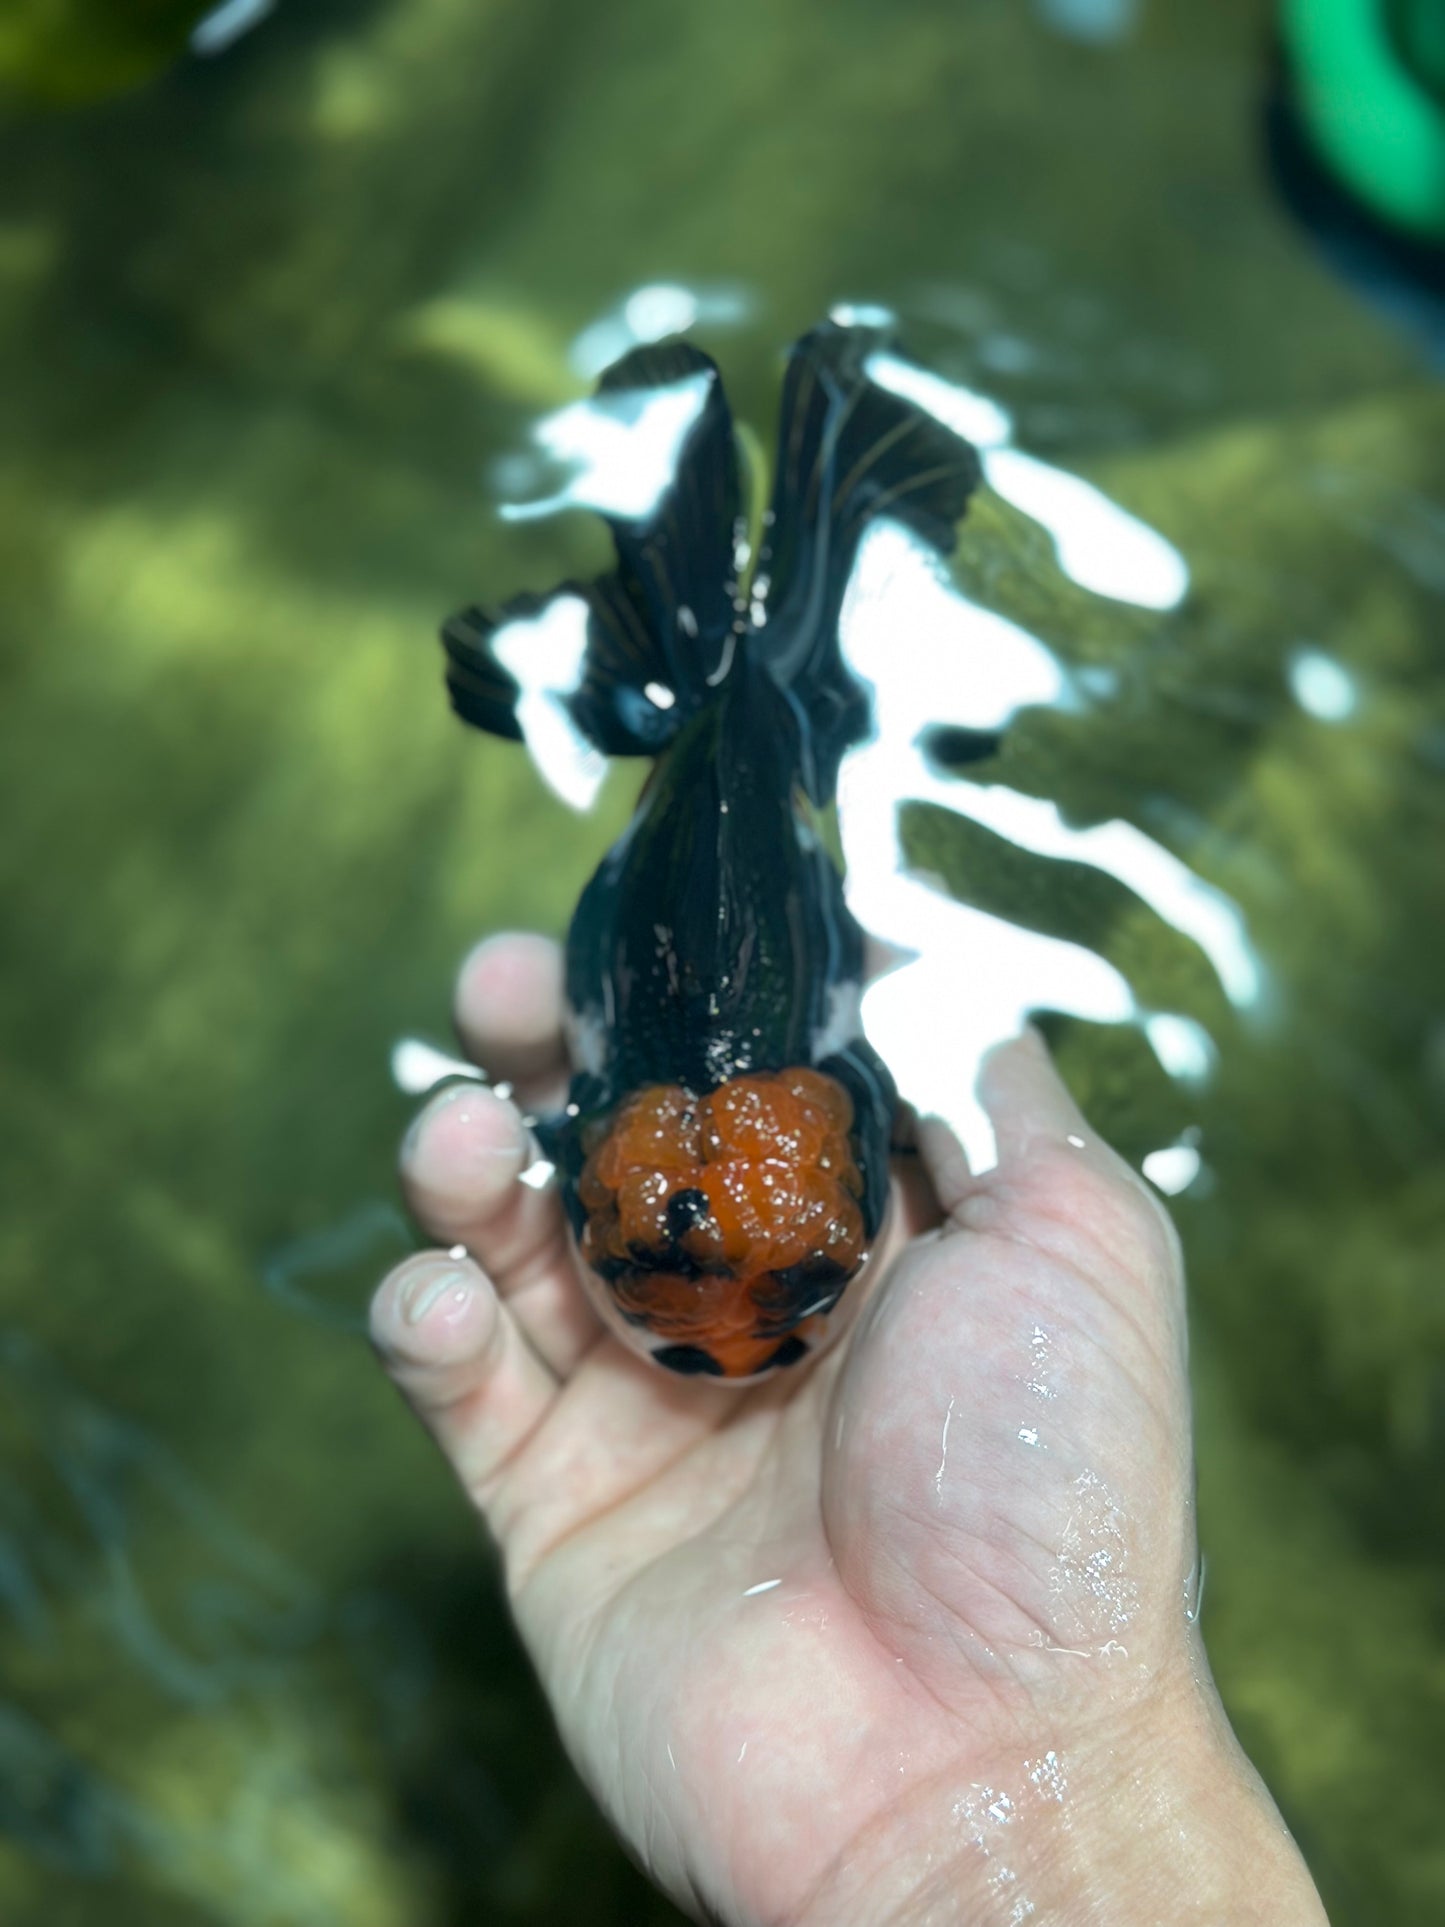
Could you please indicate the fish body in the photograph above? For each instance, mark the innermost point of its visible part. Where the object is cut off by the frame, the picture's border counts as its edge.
(723, 1154)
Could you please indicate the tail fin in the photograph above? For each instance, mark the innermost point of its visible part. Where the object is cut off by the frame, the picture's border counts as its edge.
(619, 664)
(625, 658)
(849, 450)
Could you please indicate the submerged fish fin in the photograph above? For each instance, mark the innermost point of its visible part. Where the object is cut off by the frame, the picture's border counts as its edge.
(583, 648)
(483, 693)
(633, 663)
(677, 562)
(848, 451)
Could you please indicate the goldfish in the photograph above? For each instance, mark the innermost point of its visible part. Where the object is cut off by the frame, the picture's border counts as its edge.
(724, 1152)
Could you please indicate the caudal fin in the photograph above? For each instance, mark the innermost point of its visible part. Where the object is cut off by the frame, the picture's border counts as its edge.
(618, 665)
(626, 659)
(849, 451)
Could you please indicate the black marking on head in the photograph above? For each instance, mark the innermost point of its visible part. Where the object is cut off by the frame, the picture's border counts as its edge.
(815, 1285)
(790, 1351)
(686, 1210)
(645, 1260)
(811, 1273)
(691, 1360)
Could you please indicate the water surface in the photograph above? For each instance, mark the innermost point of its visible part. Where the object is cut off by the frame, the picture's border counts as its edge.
(276, 326)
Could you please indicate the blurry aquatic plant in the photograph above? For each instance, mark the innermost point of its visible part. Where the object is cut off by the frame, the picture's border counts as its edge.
(118, 1566)
(63, 52)
(235, 1610)
(327, 1274)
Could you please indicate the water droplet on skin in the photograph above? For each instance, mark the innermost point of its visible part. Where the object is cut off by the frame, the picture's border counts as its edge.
(943, 1458)
(1039, 1348)
(1092, 1589)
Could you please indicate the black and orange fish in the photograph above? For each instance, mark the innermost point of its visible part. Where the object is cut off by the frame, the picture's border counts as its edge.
(724, 1151)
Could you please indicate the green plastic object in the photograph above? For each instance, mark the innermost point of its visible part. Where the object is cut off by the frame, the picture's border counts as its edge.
(1419, 29)
(1369, 83)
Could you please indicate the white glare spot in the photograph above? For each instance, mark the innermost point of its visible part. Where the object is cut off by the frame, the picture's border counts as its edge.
(1098, 21)
(933, 1027)
(1047, 1776)
(933, 657)
(659, 695)
(417, 1067)
(1029, 1434)
(763, 1585)
(223, 26)
(943, 1454)
(648, 314)
(624, 447)
(1321, 686)
(971, 415)
(545, 653)
(659, 310)
(861, 314)
(1099, 545)
(1183, 1047)
(1173, 1169)
(538, 1174)
(1194, 1589)
(1169, 887)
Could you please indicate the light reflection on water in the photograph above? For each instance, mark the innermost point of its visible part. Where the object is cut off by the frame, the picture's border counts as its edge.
(931, 657)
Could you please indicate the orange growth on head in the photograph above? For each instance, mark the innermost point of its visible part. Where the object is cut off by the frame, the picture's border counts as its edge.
(720, 1221)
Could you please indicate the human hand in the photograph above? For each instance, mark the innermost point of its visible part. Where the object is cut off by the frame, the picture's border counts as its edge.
(905, 1638)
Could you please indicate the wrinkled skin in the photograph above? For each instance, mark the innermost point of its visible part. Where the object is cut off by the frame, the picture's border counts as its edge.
(974, 1683)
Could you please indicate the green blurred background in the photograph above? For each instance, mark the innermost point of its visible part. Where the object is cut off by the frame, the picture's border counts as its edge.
(269, 322)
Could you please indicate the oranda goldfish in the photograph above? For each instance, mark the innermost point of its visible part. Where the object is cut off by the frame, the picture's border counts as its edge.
(724, 1153)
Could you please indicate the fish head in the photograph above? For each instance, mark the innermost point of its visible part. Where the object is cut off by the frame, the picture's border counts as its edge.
(719, 1229)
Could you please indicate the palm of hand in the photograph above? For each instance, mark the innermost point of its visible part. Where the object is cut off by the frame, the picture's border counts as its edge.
(781, 1627)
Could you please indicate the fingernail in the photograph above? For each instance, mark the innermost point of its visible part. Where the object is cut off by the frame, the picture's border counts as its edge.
(424, 1291)
(441, 1102)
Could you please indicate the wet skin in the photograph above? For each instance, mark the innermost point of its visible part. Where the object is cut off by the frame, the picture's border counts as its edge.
(848, 1647)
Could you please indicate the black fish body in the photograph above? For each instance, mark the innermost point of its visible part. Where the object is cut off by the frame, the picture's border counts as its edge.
(724, 1152)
